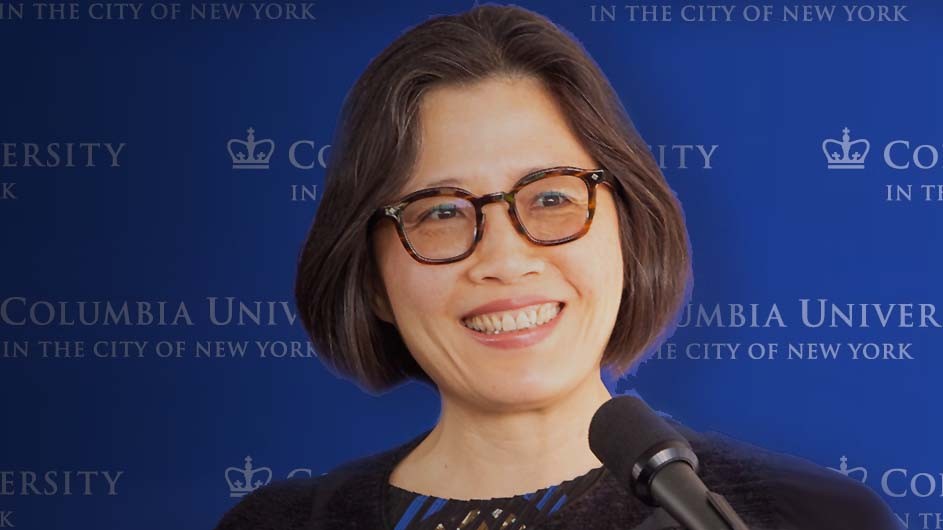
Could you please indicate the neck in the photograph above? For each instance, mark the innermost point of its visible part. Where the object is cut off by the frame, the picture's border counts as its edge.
(473, 453)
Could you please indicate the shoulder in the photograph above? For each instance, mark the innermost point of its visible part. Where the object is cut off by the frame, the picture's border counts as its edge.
(283, 505)
(346, 493)
(293, 503)
(786, 490)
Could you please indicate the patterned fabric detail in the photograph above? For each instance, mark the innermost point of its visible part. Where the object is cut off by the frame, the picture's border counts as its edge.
(413, 511)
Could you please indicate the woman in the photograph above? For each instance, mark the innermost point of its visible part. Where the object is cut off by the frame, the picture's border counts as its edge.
(493, 225)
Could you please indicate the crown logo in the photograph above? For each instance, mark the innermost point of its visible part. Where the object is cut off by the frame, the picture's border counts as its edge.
(843, 469)
(244, 156)
(242, 481)
(846, 154)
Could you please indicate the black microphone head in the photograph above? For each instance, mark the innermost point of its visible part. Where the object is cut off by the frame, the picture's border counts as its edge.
(633, 442)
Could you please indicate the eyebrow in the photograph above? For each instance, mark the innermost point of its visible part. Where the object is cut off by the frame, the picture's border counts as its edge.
(449, 181)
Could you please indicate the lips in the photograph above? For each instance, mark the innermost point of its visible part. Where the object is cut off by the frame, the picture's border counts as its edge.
(507, 304)
(514, 320)
(520, 340)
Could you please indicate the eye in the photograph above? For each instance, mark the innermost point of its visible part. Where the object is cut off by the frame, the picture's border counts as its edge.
(441, 212)
(550, 199)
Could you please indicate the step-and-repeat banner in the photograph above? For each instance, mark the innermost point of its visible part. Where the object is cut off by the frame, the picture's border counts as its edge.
(152, 366)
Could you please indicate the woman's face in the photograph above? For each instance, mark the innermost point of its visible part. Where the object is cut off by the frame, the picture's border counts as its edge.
(488, 136)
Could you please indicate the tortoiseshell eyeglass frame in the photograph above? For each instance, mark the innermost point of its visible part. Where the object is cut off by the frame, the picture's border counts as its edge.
(591, 177)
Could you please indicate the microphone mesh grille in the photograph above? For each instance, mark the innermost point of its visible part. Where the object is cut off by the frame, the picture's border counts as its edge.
(623, 429)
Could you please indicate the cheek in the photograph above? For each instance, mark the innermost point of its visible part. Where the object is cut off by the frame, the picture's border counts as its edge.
(415, 290)
(604, 250)
(417, 294)
(592, 265)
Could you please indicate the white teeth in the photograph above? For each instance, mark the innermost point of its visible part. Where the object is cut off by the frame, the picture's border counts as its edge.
(522, 320)
(513, 320)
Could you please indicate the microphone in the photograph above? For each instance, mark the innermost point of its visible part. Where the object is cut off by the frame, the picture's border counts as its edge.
(658, 464)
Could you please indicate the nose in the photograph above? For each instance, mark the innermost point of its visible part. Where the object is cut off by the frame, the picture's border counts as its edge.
(503, 254)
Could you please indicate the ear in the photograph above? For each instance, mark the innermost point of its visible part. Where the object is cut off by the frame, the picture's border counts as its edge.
(379, 301)
(380, 305)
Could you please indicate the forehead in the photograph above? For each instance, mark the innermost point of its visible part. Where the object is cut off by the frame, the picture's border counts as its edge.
(464, 181)
(486, 136)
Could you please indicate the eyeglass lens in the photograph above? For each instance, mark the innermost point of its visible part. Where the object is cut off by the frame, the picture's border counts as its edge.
(443, 227)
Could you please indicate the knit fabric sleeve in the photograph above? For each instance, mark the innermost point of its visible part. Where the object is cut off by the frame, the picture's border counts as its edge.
(809, 496)
(803, 495)
(281, 505)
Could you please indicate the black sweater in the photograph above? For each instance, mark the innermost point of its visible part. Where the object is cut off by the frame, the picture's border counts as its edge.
(768, 490)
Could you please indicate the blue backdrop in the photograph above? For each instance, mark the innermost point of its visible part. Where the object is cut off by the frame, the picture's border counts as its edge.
(148, 340)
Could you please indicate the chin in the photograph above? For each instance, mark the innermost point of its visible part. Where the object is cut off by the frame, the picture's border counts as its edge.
(533, 390)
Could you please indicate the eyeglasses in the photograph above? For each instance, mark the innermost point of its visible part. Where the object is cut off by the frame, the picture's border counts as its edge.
(548, 207)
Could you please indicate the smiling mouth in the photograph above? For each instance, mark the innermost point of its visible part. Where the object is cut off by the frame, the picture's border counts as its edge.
(532, 316)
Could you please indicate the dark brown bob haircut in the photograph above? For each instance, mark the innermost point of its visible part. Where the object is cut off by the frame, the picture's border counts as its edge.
(373, 153)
